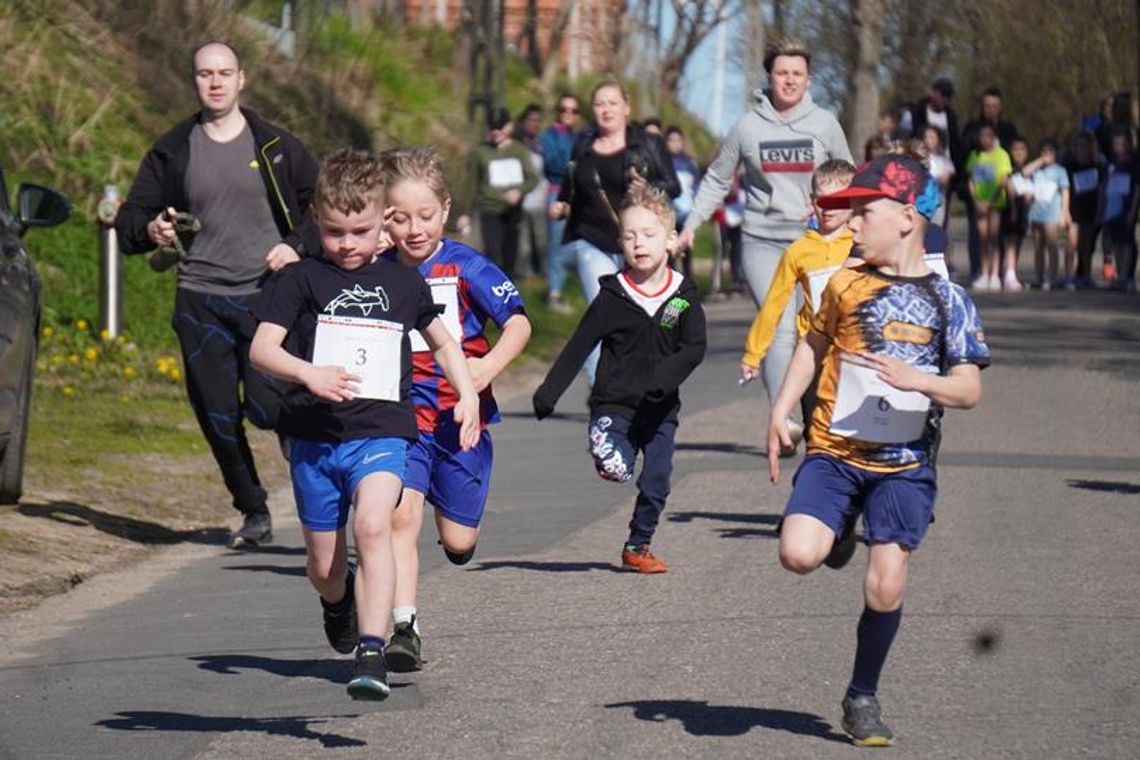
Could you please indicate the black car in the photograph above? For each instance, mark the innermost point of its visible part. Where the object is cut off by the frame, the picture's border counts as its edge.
(19, 322)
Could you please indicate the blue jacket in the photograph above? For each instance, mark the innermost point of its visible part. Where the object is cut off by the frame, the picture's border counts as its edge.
(557, 146)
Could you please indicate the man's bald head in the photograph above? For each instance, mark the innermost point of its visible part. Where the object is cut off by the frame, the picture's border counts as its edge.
(214, 47)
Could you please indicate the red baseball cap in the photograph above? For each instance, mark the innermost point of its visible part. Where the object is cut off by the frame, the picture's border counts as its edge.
(899, 177)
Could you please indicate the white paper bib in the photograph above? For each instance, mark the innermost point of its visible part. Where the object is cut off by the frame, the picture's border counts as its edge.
(445, 293)
(504, 172)
(817, 283)
(868, 409)
(369, 348)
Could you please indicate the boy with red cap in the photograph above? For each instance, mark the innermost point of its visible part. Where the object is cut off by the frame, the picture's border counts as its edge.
(893, 344)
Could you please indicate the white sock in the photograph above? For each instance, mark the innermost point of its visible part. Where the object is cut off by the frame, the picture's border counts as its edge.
(406, 613)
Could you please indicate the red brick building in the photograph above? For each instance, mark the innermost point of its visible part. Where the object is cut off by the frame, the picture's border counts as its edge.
(587, 45)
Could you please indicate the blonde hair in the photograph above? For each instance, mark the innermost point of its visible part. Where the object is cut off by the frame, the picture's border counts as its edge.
(606, 83)
(415, 165)
(832, 170)
(653, 200)
(348, 181)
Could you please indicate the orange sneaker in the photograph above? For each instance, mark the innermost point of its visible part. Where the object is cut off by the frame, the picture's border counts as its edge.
(1108, 271)
(641, 560)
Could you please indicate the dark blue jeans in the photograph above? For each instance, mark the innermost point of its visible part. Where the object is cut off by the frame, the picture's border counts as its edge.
(614, 443)
(224, 389)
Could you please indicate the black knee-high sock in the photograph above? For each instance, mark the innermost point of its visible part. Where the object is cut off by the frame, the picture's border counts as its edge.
(875, 634)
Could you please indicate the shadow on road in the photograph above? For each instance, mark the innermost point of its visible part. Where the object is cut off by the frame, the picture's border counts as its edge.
(288, 551)
(336, 671)
(294, 727)
(724, 448)
(703, 719)
(1105, 486)
(577, 417)
(139, 531)
(550, 567)
(750, 518)
(275, 569)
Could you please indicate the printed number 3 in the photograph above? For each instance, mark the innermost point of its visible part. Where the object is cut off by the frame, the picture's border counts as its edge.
(361, 357)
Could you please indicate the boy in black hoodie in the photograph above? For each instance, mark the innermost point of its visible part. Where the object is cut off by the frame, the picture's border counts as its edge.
(652, 330)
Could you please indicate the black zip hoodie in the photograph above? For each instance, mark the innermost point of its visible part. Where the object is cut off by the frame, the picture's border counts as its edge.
(288, 170)
(644, 359)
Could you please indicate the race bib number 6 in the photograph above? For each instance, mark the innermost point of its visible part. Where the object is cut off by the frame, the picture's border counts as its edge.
(868, 409)
(368, 348)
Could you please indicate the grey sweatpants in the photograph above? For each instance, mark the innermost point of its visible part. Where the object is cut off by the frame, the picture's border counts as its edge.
(759, 261)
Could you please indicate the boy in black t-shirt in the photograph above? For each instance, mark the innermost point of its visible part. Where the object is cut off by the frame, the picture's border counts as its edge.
(348, 422)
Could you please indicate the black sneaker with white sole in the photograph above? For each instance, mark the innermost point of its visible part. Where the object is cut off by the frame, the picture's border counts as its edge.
(403, 651)
(256, 529)
(369, 675)
(340, 618)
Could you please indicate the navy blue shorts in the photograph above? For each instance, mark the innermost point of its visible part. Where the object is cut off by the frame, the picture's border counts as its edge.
(453, 480)
(326, 475)
(897, 507)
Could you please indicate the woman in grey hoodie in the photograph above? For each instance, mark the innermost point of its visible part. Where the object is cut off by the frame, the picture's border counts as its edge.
(779, 143)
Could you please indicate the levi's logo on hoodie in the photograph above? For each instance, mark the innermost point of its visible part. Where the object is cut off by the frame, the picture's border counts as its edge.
(787, 156)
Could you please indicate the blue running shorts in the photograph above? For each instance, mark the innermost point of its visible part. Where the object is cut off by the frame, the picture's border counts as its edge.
(897, 507)
(456, 482)
(326, 475)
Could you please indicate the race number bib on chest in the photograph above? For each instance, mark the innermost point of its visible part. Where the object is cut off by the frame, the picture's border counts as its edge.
(368, 348)
(817, 282)
(504, 172)
(445, 293)
(868, 409)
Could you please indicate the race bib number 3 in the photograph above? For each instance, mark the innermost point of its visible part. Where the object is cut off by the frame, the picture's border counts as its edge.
(868, 409)
(368, 348)
(445, 293)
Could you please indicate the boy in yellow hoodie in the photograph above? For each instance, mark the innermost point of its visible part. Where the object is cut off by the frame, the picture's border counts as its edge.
(809, 261)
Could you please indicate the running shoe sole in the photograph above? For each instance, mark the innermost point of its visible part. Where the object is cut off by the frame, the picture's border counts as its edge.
(368, 688)
(401, 660)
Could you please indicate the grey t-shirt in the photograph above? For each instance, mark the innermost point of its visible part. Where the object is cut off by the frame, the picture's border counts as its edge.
(227, 194)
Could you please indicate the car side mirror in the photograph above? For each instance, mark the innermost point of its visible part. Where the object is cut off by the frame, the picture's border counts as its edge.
(40, 207)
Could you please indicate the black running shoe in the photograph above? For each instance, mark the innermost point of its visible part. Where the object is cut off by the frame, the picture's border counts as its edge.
(403, 651)
(340, 618)
(862, 720)
(369, 675)
(256, 529)
(843, 548)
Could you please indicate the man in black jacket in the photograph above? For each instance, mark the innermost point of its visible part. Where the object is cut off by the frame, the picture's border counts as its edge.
(250, 185)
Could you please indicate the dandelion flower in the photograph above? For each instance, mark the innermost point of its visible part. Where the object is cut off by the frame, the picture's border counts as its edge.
(81, 325)
(129, 373)
(91, 354)
(48, 331)
(68, 391)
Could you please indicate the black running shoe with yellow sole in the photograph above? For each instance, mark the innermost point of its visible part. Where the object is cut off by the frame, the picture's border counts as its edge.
(403, 651)
(863, 722)
(369, 675)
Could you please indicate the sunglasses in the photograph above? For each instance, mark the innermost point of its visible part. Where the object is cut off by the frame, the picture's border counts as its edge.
(567, 110)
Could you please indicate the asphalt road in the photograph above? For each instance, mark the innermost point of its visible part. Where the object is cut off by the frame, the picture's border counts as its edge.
(1020, 635)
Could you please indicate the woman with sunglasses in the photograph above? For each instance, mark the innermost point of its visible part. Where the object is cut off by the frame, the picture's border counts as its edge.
(557, 143)
(608, 159)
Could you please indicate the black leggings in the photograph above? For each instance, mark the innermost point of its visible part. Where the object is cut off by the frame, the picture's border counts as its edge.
(214, 333)
(1087, 233)
(501, 237)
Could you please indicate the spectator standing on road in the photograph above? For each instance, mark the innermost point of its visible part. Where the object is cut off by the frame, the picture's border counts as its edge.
(987, 168)
(349, 433)
(1015, 217)
(502, 173)
(532, 245)
(609, 158)
(250, 184)
(689, 176)
(1005, 132)
(1049, 216)
(649, 324)
(1086, 178)
(779, 142)
(557, 146)
(891, 331)
(1121, 197)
